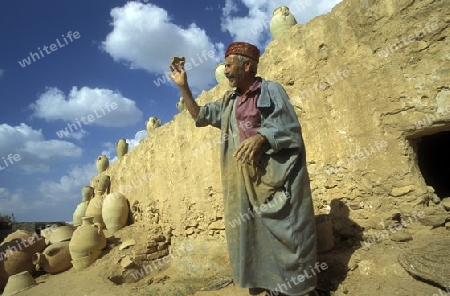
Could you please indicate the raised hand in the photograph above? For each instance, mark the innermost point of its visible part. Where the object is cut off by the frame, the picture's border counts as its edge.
(177, 72)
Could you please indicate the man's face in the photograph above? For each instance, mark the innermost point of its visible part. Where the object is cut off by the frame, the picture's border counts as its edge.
(234, 71)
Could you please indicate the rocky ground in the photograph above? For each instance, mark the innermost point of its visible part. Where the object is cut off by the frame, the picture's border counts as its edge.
(354, 268)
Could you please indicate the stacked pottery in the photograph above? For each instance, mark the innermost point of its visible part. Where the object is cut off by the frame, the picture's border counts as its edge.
(282, 20)
(94, 208)
(115, 211)
(121, 148)
(220, 72)
(87, 193)
(102, 163)
(86, 244)
(55, 258)
(18, 283)
(17, 249)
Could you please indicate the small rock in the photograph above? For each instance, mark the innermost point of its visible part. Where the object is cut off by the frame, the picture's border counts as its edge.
(399, 191)
(127, 243)
(159, 238)
(163, 246)
(401, 236)
(126, 262)
(151, 244)
(436, 199)
(434, 216)
(217, 225)
(447, 225)
(446, 203)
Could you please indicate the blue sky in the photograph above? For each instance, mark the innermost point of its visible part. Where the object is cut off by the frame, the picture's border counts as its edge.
(92, 67)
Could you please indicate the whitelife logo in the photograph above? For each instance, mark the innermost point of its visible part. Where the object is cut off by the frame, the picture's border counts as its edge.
(53, 47)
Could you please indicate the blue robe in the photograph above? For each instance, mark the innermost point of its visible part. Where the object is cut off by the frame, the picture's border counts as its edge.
(269, 216)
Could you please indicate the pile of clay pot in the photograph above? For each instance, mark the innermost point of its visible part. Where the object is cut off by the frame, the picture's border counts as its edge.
(58, 248)
(24, 253)
(99, 211)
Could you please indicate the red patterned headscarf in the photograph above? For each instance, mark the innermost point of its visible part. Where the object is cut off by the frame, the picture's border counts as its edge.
(245, 49)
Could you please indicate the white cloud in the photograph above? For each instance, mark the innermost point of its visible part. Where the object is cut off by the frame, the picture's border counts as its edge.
(254, 26)
(36, 153)
(69, 186)
(145, 37)
(137, 138)
(84, 106)
(13, 202)
(76, 135)
(2, 72)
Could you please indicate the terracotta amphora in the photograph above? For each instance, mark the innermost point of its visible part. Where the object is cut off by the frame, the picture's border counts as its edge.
(19, 282)
(79, 212)
(87, 192)
(88, 240)
(55, 258)
(121, 148)
(152, 123)
(282, 20)
(220, 72)
(102, 163)
(94, 209)
(60, 234)
(103, 183)
(115, 211)
(180, 105)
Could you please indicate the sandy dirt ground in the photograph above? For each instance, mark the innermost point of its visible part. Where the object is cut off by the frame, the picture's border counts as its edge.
(354, 271)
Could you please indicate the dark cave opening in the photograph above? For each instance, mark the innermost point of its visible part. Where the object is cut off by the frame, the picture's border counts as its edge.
(434, 161)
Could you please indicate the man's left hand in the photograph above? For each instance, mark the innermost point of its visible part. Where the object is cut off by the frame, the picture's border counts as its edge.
(250, 150)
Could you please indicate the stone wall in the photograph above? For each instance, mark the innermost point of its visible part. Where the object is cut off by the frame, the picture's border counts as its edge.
(362, 79)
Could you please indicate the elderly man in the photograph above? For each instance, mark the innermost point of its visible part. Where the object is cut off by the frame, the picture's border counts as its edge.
(269, 215)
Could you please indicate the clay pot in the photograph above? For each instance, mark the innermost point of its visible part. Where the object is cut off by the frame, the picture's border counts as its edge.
(180, 105)
(55, 258)
(88, 240)
(103, 183)
(115, 211)
(94, 209)
(282, 20)
(102, 163)
(220, 72)
(121, 148)
(324, 230)
(61, 233)
(151, 124)
(87, 192)
(83, 262)
(80, 211)
(19, 282)
(16, 252)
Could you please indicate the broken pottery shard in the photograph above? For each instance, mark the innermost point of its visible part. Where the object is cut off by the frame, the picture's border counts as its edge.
(428, 263)
(126, 262)
(127, 243)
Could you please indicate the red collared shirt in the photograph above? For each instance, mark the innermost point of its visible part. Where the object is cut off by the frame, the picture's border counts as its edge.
(247, 114)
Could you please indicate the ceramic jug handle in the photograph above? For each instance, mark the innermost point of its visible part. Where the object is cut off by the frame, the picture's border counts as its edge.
(99, 226)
